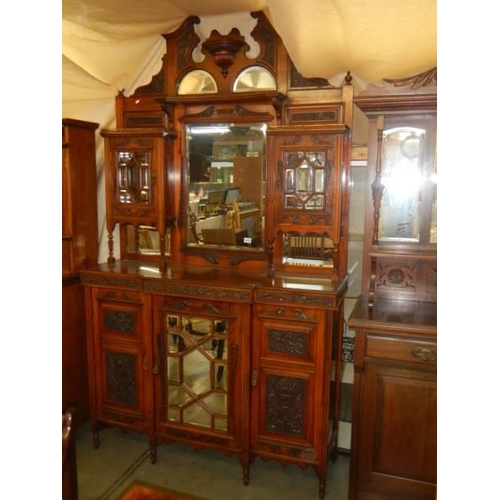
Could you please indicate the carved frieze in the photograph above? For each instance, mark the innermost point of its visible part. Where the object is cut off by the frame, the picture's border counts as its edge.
(106, 280)
(296, 298)
(197, 291)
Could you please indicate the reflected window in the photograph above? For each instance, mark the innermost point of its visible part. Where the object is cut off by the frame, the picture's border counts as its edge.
(402, 176)
(254, 78)
(197, 82)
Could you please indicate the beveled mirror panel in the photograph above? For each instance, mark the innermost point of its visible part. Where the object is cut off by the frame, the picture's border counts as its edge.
(254, 78)
(304, 180)
(226, 184)
(197, 81)
(133, 170)
(145, 240)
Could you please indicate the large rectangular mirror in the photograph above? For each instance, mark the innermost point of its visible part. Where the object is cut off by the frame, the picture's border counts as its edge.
(226, 184)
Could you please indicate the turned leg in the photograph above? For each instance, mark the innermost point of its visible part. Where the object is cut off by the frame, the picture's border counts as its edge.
(152, 454)
(246, 475)
(95, 437)
(322, 488)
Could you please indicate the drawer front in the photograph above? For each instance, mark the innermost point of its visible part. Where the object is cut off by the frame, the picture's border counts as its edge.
(410, 350)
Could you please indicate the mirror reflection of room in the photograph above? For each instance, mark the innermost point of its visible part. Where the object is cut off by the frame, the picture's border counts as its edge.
(226, 184)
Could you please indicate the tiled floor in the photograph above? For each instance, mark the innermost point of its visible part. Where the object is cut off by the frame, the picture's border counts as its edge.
(122, 458)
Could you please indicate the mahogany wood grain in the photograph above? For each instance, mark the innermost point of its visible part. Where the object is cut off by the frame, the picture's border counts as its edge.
(394, 434)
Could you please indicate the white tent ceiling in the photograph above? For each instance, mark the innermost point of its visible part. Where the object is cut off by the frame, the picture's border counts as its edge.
(113, 45)
(116, 45)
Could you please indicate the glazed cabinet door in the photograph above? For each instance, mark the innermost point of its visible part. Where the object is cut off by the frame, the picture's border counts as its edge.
(138, 190)
(201, 349)
(290, 381)
(121, 361)
(395, 426)
(306, 188)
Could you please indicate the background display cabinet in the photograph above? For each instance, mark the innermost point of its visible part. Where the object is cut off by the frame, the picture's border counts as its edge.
(79, 250)
(236, 168)
(394, 430)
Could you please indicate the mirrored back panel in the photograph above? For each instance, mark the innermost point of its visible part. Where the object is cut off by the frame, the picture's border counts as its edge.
(226, 184)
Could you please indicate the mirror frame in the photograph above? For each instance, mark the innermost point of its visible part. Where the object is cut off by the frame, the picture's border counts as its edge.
(235, 114)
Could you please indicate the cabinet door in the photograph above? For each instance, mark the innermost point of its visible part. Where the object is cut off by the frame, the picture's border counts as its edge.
(200, 350)
(305, 189)
(397, 429)
(290, 380)
(123, 359)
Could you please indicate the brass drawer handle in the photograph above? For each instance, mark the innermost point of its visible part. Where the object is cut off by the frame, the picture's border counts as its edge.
(424, 353)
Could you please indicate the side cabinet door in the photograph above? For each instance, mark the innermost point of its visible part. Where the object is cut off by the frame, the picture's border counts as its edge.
(288, 410)
(123, 358)
(398, 415)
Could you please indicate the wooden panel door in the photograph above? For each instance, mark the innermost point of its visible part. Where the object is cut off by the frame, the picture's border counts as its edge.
(290, 387)
(121, 363)
(396, 432)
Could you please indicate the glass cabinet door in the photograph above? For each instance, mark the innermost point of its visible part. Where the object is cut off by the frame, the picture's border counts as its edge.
(194, 352)
(304, 180)
(133, 170)
(408, 186)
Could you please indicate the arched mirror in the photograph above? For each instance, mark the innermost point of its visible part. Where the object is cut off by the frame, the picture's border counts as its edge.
(197, 82)
(254, 78)
(226, 184)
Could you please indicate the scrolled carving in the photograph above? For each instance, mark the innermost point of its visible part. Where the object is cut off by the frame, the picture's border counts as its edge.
(399, 275)
(197, 291)
(424, 79)
(295, 298)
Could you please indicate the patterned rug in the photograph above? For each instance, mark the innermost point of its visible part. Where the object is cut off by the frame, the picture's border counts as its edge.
(142, 491)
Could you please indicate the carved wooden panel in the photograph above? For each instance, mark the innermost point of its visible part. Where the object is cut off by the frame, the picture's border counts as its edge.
(288, 342)
(121, 377)
(119, 321)
(407, 277)
(285, 405)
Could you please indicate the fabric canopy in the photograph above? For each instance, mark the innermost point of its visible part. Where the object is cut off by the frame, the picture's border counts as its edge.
(111, 46)
(116, 45)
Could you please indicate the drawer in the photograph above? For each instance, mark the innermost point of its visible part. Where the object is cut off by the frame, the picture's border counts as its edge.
(413, 350)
